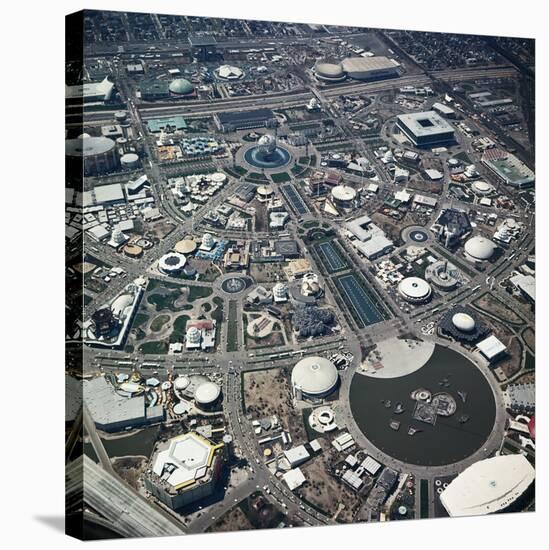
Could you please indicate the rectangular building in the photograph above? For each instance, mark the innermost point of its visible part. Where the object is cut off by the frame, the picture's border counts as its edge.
(245, 120)
(426, 129)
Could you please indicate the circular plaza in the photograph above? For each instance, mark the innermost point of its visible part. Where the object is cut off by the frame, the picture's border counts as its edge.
(436, 415)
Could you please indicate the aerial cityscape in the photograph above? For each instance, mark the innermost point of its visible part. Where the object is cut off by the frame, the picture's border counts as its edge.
(300, 275)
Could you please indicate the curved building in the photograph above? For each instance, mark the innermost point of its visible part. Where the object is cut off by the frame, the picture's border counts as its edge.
(314, 377)
(129, 161)
(463, 324)
(185, 246)
(207, 395)
(329, 71)
(443, 275)
(172, 263)
(98, 155)
(482, 188)
(479, 249)
(265, 192)
(343, 196)
(181, 86)
(488, 486)
(415, 290)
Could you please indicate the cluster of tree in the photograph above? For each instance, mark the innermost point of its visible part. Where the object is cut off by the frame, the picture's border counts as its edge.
(311, 320)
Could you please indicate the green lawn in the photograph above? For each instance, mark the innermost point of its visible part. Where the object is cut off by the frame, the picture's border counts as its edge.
(232, 328)
(159, 322)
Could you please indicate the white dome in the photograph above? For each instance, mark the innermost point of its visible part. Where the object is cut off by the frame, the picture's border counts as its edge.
(207, 240)
(480, 248)
(280, 289)
(314, 376)
(207, 393)
(343, 193)
(414, 289)
(181, 382)
(463, 322)
(482, 187)
(120, 304)
(193, 335)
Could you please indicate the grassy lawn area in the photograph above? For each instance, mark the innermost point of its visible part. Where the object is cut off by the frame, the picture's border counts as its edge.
(232, 328)
(281, 177)
(197, 292)
(140, 319)
(154, 347)
(178, 332)
(159, 322)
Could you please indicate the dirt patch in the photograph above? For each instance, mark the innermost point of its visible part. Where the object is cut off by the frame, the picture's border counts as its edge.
(326, 492)
(233, 520)
(268, 392)
(130, 469)
(494, 306)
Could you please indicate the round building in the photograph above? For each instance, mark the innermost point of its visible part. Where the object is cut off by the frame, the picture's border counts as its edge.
(207, 395)
(314, 377)
(185, 246)
(482, 188)
(415, 290)
(343, 196)
(181, 86)
(97, 155)
(329, 70)
(172, 263)
(129, 161)
(479, 249)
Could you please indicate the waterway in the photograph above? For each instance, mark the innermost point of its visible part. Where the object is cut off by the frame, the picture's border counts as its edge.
(448, 440)
(140, 443)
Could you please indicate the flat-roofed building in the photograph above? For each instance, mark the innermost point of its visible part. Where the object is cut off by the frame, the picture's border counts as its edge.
(488, 486)
(184, 469)
(492, 348)
(245, 120)
(371, 68)
(113, 412)
(426, 129)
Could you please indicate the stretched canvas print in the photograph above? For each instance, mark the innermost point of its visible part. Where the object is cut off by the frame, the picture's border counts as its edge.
(300, 273)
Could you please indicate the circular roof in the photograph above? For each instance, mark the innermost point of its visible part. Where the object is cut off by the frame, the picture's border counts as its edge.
(265, 190)
(129, 158)
(480, 248)
(181, 86)
(464, 322)
(218, 177)
(207, 392)
(185, 246)
(329, 69)
(314, 375)
(121, 303)
(172, 261)
(181, 382)
(343, 193)
(181, 408)
(133, 249)
(483, 187)
(415, 288)
(87, 146)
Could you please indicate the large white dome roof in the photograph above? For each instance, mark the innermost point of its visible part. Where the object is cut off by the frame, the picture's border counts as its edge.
(480, 248)
(207, 393)
(464, 322)
(314, 375)
(414, 288)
